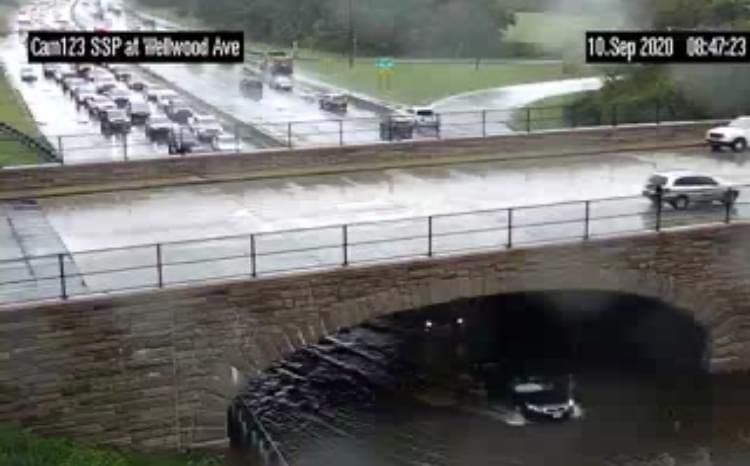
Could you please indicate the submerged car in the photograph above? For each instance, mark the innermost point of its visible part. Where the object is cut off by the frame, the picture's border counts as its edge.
(544, 397)
(735, 135)
(682, 188)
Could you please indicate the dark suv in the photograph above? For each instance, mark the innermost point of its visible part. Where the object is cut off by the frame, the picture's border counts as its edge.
(158, 127)
(115, 121)
(396, 127)
(182, 141)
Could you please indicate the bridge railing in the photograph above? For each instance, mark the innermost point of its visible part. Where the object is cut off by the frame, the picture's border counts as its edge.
(93, 146)
(272, 253)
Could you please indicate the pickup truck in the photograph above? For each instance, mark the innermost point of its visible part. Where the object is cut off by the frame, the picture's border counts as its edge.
(734, 135)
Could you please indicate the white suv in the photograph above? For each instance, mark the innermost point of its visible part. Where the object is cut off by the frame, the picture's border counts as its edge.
(681, 188)
(735, 135)
(425, 117)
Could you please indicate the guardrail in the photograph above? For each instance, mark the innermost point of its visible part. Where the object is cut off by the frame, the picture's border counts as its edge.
(264, 254)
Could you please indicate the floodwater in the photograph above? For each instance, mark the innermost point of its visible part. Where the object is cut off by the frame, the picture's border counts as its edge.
(392, 392)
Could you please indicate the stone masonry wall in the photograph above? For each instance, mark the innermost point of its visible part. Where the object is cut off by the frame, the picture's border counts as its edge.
(155, 370)
(93, 177)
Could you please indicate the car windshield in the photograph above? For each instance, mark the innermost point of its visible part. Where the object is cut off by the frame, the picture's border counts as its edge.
(657, 180)
(425, 113)
(741, 123)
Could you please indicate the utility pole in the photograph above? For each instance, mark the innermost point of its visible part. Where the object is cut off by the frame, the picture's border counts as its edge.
(352, 36)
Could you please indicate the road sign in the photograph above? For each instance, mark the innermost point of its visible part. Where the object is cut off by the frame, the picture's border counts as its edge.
(384, 63)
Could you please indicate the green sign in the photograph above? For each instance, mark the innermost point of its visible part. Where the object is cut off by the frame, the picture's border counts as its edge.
(384, 63)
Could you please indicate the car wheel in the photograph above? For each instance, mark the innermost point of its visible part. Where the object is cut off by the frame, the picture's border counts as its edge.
(681, 202)
(739, 145)
(715, 148)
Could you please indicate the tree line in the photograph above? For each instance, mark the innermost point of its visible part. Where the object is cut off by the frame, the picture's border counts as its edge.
(446, 28)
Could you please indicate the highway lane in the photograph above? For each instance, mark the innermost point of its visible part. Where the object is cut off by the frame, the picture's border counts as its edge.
(461, 115)
(61, 122)
(399, 200)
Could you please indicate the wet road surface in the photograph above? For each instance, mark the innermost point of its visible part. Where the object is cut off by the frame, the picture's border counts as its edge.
(397, 202)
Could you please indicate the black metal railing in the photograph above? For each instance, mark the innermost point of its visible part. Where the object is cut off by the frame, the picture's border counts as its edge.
(263, 254)
(94, 146)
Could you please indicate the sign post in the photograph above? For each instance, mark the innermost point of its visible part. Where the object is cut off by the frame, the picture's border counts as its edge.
(384, 66)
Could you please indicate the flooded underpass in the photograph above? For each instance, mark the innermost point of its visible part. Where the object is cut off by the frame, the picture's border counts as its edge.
(422, 388)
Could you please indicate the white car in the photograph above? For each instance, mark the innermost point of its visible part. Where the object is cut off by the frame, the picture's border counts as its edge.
(735, 135)
(282, 83)
(226, 143)
(425, 117)
(28, 74)
(680, 188)
(205, 127)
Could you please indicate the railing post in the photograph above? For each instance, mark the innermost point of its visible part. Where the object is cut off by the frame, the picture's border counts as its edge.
(345, 244)
(573, 122)
(509, 243)
(60, 149)
(289, 134)
(658, 112)
(429, 236)
(125, 146)
(341, 132)
(484, 123)
(61, 265)
(587, 231)
(659, 202)
(437, 128)
(253, 263)
(528, 119)
(614, 115)
(729, 202)
(159, 268)
(236, 137)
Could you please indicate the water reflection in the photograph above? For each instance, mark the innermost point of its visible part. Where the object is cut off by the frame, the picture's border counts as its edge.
(405, 390)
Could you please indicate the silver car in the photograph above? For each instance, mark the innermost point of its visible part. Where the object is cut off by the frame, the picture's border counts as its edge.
(682, 188)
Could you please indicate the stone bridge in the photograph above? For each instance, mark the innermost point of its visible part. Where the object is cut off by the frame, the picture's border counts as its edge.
(156, 370)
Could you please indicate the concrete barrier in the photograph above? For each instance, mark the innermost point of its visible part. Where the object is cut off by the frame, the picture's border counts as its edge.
(41, 181)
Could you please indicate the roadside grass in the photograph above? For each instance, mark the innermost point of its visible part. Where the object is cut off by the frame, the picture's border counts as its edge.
(546, 113)
(21, 448)
(425, 82)
(412, 82)
(14, 112)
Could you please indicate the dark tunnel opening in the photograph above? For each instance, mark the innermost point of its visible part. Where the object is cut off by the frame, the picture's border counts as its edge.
(403, 367)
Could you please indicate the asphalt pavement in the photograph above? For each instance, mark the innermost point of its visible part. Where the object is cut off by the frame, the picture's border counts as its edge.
(397, 204)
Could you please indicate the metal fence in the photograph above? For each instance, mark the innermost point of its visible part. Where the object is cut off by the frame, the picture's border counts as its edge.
(262, 254)
(94, 146)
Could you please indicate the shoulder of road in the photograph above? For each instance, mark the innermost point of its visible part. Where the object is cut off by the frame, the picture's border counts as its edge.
(53, 180)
